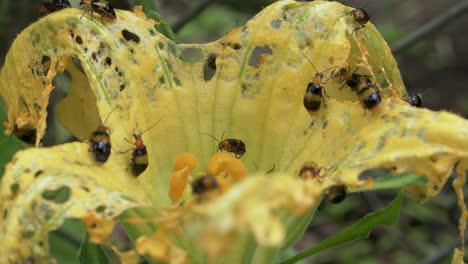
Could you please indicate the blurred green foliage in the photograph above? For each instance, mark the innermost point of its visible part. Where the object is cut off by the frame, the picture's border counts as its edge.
(213, 22)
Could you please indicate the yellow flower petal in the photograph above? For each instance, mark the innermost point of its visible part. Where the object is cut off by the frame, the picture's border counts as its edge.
(248, 85)
(160, 248)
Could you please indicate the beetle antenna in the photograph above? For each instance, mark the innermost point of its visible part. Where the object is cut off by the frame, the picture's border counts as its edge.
(271, 170)
(150, 127)
(217, 140)
(327, 69)
(309, 61)
(107, 117)
(423, 92)
(255, 165)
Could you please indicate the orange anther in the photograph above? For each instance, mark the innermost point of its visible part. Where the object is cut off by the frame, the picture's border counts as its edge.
(177, 183)
(236, 169)
(224, 185)
(183, 165)
(217, 162)
(226, 163)
(185, 160)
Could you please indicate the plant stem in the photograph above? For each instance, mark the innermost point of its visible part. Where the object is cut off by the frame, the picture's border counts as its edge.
(430, 27)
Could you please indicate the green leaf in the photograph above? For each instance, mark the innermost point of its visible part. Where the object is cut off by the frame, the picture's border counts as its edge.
(59, 195)
(65, 242)
(151, 9)
(386, 216)
(384, 181)
(394, 182)
(289, 253)
(91, 253)
(136, 230)
(297, 227)
(163, 26)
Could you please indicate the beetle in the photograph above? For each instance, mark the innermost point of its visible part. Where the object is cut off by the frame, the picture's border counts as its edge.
(139, 155)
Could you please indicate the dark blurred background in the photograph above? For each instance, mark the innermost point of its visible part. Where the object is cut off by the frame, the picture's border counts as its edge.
(435, 65)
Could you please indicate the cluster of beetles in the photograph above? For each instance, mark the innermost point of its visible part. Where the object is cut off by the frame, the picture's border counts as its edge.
(100, 144)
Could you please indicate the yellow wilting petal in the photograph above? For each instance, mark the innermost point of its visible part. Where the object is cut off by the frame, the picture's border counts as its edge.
(249, 86)
(458, 257)
(458, 183)
(161, 248)
(99, 229)
(252, 204)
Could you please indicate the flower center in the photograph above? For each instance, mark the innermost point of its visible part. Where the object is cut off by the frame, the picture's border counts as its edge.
(224, 170)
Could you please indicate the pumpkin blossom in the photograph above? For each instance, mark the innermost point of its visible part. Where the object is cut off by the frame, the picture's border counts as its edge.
(249, 86)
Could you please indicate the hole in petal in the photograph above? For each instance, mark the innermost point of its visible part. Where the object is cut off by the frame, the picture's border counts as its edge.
(235, 46)
(100, 208)
(14, 188)
(130, 36)
(45, 62)
(55, 133)
(177, 81)
(79, 40)
(375, 174)
(209, 68)
(258, 55)
(38, 173)
(77, 63)
(108, 61)
(73, 101)
(28, 234)
(59, 195)
(191, 55)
